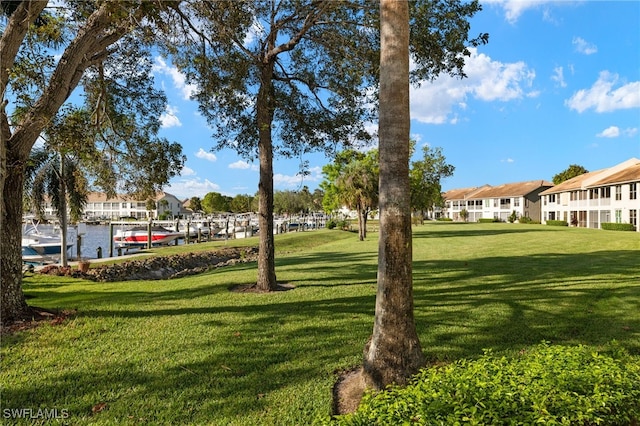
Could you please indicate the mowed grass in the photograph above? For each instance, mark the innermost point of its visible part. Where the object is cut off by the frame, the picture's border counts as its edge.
(189, 351)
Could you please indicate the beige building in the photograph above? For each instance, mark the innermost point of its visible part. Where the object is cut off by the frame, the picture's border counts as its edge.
(496, 202)
(602, 196)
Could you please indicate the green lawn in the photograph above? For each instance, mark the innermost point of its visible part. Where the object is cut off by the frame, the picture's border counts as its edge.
(188, 351)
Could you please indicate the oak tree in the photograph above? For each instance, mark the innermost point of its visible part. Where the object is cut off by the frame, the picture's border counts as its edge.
(45, 54)
(277, 77)
(572, 171)
(425, 176)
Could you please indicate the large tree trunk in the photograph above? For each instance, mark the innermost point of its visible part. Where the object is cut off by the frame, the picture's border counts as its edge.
(12, 299)
(266, 253)
(13, 305)
(103, 28)
(394, 352)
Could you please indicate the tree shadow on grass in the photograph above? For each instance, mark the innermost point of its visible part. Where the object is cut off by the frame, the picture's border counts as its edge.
(461, 308)
(504, 302)
(470, 230)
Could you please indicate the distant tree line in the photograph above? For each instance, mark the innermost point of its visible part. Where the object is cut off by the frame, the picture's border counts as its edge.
(286, 202)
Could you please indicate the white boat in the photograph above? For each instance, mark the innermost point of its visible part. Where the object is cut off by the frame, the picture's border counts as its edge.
(31, 257)
(139, 236)
(43, 243)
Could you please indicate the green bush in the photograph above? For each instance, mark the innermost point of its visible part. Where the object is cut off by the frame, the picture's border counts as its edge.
(445, 219)
(331, 224)
(617, 226)
(488, 220)
(557, 223)
(527, 219)
(545, 385)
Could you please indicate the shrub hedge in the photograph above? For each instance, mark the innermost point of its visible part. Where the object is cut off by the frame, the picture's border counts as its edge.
(557, 223)
(488, 220)
(547, 384)
(617, 226)
(527, 219)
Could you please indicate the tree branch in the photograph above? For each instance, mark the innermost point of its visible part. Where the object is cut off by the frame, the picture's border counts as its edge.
(103, 28)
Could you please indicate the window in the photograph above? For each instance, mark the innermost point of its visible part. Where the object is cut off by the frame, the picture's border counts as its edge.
(618, 192)
(618, 216)
(633, 191)
(516, 202)
(593, 194)
(487, 203)
(633, 218)
(605, 192)
(552, 198)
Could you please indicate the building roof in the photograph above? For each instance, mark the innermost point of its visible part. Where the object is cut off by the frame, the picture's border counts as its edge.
(630, 174)
(572, 184)
(96, 197)
(627, 171)
(518, 189)
(461, 193)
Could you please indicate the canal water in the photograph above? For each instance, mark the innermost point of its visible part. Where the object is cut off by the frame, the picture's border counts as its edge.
(96, 236)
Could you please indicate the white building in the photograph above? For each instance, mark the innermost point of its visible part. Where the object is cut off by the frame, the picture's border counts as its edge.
(496, 202)
(588, 200)
(99, 207)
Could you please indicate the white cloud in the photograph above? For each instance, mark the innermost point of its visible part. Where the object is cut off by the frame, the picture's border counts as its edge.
(169, 117)
(584, 46)
(187, 188)
(630, 132)
(243, 165)
(487, 80)
(609, 132)
(296, 181)
(513, 9)
(179, 80)
(615, 131)
(209, 156)
(187, 171)
(602, 97)
(558, 76)
(508, 160)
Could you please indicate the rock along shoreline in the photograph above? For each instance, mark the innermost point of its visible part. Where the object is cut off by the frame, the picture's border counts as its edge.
(164, 267)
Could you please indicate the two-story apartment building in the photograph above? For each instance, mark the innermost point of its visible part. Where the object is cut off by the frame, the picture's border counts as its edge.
(588, 200)
(496, 202)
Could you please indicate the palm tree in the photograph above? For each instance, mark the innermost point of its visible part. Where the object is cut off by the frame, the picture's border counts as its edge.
(55, 176)
(394, 353)
(358, 188)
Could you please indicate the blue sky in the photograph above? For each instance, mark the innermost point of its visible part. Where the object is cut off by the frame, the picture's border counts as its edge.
(558, 84)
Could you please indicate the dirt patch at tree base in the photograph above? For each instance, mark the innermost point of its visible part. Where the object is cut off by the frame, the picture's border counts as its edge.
(348, 391)
(35, 316)
(253, 288)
